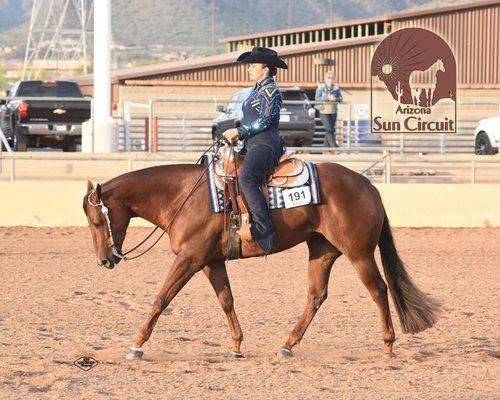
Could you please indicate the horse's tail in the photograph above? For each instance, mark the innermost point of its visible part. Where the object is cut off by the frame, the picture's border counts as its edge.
(415, 309)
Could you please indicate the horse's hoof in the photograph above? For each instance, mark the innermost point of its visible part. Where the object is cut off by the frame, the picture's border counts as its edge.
(134, 354)
(234, 354)
(389, 355)
(285, 353)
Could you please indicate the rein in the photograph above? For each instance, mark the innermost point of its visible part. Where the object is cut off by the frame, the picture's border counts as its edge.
(105, 211)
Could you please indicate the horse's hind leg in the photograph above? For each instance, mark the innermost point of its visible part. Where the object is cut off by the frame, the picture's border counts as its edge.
(366, 267)
(322, 255)
(180, 273)
(217, 275)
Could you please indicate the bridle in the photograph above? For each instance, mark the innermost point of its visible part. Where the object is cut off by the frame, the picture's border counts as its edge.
(105, 211)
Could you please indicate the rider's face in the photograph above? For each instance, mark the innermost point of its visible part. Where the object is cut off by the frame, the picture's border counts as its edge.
(257, 72)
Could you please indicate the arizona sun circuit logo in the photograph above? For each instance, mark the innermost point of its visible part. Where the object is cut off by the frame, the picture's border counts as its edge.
(413, 84)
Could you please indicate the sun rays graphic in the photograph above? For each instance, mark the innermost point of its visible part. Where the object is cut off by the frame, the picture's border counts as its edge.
(388, 69)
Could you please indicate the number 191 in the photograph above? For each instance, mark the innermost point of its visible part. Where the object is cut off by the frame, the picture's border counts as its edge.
(296, 196)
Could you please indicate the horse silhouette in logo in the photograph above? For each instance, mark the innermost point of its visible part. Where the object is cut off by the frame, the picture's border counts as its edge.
(416, 66)
(422, 96)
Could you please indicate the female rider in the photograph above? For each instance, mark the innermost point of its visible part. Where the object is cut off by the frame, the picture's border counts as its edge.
(263, 145)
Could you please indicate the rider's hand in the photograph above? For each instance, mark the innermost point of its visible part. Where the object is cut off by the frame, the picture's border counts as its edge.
(231, 135)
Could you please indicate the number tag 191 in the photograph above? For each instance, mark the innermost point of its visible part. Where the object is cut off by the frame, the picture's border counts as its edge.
(299, 196)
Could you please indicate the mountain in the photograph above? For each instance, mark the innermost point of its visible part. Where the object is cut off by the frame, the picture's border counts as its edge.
(186, 25)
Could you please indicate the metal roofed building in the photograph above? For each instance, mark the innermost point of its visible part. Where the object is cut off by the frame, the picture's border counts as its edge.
(472, 30)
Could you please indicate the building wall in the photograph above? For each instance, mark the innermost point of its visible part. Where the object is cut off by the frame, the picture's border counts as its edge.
(473, 35)
(212, 96)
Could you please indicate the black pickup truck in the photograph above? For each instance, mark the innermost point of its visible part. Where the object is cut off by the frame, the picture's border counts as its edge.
(44, 114)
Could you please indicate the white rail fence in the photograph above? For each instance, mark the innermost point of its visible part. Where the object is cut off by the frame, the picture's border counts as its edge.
(386, 168)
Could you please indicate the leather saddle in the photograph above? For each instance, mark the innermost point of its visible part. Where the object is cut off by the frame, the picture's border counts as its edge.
(291, 171)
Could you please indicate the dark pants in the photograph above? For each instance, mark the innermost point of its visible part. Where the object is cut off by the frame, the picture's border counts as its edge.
(262, 157)
(329, 121)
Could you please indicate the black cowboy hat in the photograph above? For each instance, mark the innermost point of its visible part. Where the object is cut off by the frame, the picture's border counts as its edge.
(262, 55)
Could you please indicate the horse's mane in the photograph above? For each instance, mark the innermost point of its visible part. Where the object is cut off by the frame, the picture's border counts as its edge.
(157, 172)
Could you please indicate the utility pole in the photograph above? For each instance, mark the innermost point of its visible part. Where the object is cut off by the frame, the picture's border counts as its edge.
(58, 32)
(289, 14)
(83, 21)
(213, 27)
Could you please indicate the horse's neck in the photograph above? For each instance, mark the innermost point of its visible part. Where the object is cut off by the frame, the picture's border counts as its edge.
(156, 197)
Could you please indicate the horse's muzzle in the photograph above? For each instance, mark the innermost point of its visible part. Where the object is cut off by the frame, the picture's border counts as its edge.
(106, 263)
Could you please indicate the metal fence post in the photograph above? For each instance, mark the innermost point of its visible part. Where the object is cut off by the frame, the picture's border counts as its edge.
(384, 157)
(349, 125)
(146, 134)
(387, 177)
(183, 134)
(150, 122)
(126, 125)
(12, 169)
(155, 135)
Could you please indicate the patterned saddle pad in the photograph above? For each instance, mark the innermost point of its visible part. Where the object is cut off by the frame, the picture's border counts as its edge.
(299, 187)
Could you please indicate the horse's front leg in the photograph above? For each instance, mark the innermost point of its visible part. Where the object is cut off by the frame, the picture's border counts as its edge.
(217, 275)
(180, 273)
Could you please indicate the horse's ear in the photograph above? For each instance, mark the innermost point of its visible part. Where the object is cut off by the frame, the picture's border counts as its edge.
(98, 190)
(90, 186)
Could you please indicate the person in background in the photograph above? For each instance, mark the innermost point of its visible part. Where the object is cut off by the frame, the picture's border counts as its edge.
(328, 91)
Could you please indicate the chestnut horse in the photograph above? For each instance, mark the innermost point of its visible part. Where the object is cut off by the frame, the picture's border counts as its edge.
(350, 220)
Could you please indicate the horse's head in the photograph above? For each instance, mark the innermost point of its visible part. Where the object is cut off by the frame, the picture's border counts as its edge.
(108, 224)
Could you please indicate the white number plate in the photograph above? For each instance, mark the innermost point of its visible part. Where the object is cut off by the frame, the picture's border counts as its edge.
(60, 128)
(284, 118)
(299, 196)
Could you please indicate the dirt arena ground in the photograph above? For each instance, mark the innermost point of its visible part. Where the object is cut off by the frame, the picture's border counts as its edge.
(57, 306)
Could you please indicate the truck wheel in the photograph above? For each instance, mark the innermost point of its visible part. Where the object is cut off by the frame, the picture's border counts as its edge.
(483, 145)
(20, 141)
(69, 145)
